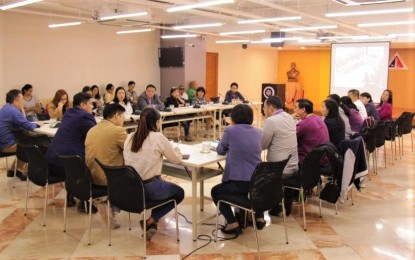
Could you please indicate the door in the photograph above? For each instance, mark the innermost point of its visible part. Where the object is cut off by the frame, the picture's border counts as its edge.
(211, 75)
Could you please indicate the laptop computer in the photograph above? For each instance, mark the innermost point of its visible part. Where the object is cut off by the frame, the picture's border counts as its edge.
(215, 99)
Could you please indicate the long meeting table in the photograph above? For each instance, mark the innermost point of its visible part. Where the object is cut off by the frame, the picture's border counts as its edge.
(195, 169)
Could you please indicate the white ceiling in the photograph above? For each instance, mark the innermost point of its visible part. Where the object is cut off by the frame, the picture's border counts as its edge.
(311, 11)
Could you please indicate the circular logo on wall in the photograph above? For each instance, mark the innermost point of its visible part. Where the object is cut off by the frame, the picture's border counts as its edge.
(268, 91)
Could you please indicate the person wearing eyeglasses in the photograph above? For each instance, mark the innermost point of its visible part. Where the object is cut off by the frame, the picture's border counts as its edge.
(311, 129)
(149, 98)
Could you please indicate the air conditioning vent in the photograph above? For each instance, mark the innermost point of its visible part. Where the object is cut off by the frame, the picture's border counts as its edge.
(366, 2)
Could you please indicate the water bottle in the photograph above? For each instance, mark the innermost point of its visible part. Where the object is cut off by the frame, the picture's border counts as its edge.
(220, 98)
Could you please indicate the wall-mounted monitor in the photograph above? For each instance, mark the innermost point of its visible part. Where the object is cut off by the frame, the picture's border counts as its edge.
(171, 57)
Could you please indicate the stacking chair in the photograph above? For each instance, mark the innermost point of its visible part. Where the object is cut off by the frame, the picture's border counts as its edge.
(394, 133)
(126, 191)
(380, 135)
(24, 137)
(38, 173)
(78, 182)
(370, 147)
(407, 127)
(309, 177)
(264, 193)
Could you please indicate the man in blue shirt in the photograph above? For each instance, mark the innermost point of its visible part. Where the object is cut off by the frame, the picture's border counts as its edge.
(71, 134)
(11, 117)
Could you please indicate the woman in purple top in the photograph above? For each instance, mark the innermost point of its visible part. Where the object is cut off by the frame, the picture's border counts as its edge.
(385, 106)
(242, 144)
(352, 113)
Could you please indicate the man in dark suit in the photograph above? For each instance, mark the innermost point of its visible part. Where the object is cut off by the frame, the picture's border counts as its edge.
(70, 137)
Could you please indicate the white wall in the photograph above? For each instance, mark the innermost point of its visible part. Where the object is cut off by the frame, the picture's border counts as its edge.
(72, 57)
(248, 67)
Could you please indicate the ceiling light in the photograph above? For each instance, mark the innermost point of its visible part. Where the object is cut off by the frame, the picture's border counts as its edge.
(18, 4)
(367, 2)
(385, 23)
(232, 41)
(56, 25)
(386, 11)
(198, 5)
(402, 34)
(242, 32)
(341, 37)
(310, 28)
(173, 36)
(367, 37)
(192, 26)
(309, 41)
(134, 31)
(119, 16)
(273, 19)
(270, 40)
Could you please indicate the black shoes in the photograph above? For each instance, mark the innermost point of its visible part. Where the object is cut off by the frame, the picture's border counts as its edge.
(81, 208)
(19, 174)
(260, 225)
(236, 231)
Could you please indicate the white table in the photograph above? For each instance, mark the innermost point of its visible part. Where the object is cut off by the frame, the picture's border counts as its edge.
(194, 169)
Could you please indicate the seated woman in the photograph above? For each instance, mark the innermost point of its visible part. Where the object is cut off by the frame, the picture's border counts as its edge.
(144, 150)
(352, 113)
(385, 106)
(57, 107)
(176, 101)
(96, 97)
(30, 104)
(121, 98)
(366, 99)
(200, 99)
(243, 155)
(333, 121)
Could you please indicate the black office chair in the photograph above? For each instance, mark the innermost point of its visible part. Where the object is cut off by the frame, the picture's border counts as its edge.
(264, 193)
(38, 173)
(78, 182)
(393, 134)
(126, 191)
(407, 127)
(308, 178)
(25, 137)
(380, 134)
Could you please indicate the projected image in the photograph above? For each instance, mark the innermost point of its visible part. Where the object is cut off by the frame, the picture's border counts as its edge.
(362, 66)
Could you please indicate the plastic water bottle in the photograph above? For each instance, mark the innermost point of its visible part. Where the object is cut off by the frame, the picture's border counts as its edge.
(220, 98)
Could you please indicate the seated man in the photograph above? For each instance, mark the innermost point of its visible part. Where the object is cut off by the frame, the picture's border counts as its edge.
(105, 142)
(11, 117)
(280, 140)
(149, 98)
(232, 95)
(311, 130)
(354, 94)
(70, 137)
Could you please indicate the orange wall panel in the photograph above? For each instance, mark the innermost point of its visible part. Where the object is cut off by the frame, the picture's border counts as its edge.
(314, 67)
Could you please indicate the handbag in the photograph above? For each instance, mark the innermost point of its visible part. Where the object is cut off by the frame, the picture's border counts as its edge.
(330, 192)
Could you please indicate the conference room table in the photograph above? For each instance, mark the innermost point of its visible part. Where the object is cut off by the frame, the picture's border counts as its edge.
(176, 115)
(195, 169)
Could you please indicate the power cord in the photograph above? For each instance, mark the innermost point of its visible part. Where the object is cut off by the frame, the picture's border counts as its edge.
(207, 238)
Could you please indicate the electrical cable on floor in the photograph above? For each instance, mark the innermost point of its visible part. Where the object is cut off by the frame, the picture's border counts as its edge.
(206, 237)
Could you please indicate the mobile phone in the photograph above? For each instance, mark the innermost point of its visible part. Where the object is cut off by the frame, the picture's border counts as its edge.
(185, 156)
